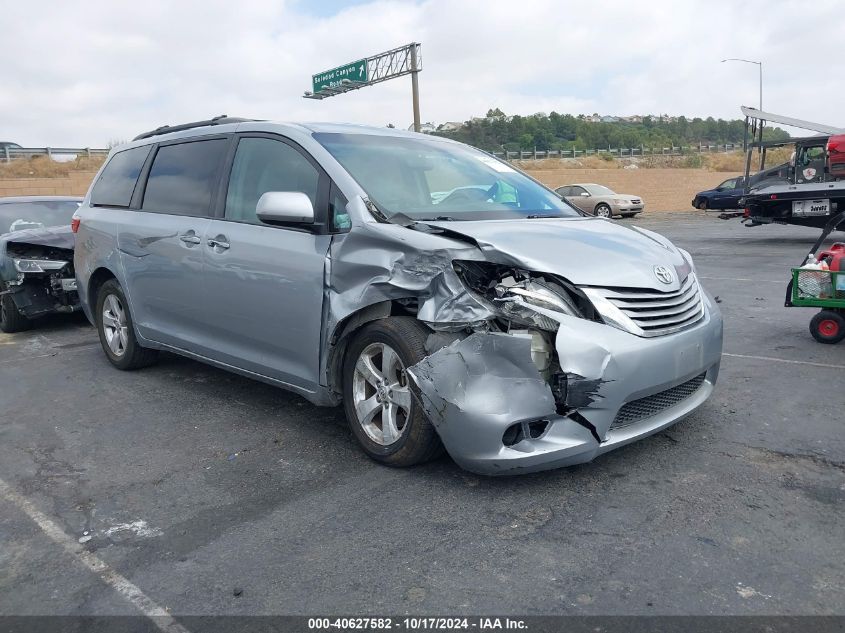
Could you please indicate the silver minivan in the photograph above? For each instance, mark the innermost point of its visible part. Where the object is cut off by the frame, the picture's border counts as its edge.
(446, 299)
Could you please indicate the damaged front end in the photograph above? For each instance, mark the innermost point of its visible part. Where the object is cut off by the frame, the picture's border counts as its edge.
(526, 370)
(38, 275)
(499, 392)
(548, 382)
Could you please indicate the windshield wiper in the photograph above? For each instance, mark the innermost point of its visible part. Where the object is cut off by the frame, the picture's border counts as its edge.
(439, 218)
(540, 216)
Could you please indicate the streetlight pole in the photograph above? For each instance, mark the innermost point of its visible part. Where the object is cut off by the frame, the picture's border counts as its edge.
(760, 68)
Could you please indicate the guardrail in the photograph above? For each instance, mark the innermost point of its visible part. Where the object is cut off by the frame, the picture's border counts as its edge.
(7, 154)
(621, 152)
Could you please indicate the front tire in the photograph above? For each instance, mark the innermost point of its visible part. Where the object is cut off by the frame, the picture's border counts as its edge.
(117, 333)
(828, 327)
(628, 215)
(11, 320)
(383, 414)
(702, 205)
(603, 211)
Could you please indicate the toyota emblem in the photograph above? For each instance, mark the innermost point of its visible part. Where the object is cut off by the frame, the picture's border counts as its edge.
(664, 274)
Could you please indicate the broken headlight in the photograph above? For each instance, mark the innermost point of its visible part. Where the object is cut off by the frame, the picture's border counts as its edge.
(519, 301)
(522, 297)
(38, 265)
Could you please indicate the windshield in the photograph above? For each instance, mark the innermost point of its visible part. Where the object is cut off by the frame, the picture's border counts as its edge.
(16, 216)
(436, 180)
(599, 190)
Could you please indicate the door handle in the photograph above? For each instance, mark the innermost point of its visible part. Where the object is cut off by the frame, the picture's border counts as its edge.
(218, 242)
(190, 238)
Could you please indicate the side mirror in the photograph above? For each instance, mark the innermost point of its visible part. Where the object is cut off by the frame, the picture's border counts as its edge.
(584, 194)
(285, 207)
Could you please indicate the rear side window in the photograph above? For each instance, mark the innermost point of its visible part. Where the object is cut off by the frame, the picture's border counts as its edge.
(117, 182)
(183, 177)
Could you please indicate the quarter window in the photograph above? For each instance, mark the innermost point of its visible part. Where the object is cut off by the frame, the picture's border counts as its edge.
(341, 221)
(116, 184)
(262, 165)
(183, 177)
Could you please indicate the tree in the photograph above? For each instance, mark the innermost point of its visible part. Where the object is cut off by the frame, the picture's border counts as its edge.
(565, 131)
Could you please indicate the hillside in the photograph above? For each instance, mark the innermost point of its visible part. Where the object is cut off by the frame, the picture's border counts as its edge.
(565, 131)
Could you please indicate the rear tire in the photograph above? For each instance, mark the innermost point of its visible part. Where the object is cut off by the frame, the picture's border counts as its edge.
(116, 330)
(11, 320)
(603, 211)
(828, 327)
(383, 414)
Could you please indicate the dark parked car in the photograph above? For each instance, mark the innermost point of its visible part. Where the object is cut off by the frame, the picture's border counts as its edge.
(726, 196)
(36, 259)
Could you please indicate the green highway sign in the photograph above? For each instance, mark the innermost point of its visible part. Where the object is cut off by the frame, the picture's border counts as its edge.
(356, 71)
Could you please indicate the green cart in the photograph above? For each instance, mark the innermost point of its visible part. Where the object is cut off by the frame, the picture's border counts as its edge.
(825, 289)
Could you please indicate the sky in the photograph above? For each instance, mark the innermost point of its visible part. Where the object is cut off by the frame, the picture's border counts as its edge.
(94, 72)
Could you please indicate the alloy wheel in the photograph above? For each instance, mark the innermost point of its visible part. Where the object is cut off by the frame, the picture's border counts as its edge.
(114, 325)
(380, 394)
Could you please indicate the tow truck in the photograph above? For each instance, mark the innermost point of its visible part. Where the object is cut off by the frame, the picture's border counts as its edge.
(806, 191)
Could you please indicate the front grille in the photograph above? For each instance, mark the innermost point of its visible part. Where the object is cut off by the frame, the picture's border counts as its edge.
(649, 406)
(636, 201)
(656, 313)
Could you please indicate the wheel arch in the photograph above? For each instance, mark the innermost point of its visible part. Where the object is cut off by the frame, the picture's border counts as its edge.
(100, 276)
(344, 332)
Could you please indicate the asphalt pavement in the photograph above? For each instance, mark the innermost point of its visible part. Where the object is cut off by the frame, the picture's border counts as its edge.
(209, 493)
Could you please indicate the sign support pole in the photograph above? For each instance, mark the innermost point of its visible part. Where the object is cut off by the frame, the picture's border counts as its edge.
(404, 60)
(415, 88)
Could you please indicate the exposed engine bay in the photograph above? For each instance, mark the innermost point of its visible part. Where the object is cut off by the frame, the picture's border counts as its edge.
(42, 279)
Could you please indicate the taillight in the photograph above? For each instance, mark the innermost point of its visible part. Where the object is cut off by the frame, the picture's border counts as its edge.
(747, 213)
(74, 223)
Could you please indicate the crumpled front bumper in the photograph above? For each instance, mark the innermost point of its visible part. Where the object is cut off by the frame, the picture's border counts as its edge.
(473, 390)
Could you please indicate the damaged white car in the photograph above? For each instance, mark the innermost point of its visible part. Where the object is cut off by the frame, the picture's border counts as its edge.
(36, 253)
(445, 298)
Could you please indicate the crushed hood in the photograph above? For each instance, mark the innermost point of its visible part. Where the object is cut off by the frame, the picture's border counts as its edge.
(52, 236)
(586, 251)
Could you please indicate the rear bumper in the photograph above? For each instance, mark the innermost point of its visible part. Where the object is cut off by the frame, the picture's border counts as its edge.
(607, 369)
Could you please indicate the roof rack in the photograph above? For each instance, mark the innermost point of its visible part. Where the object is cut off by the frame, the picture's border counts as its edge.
(166, 129)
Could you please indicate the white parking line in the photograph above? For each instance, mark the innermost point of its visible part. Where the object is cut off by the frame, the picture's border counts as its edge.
(767, 281)
(785, 360)
(161, 618)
